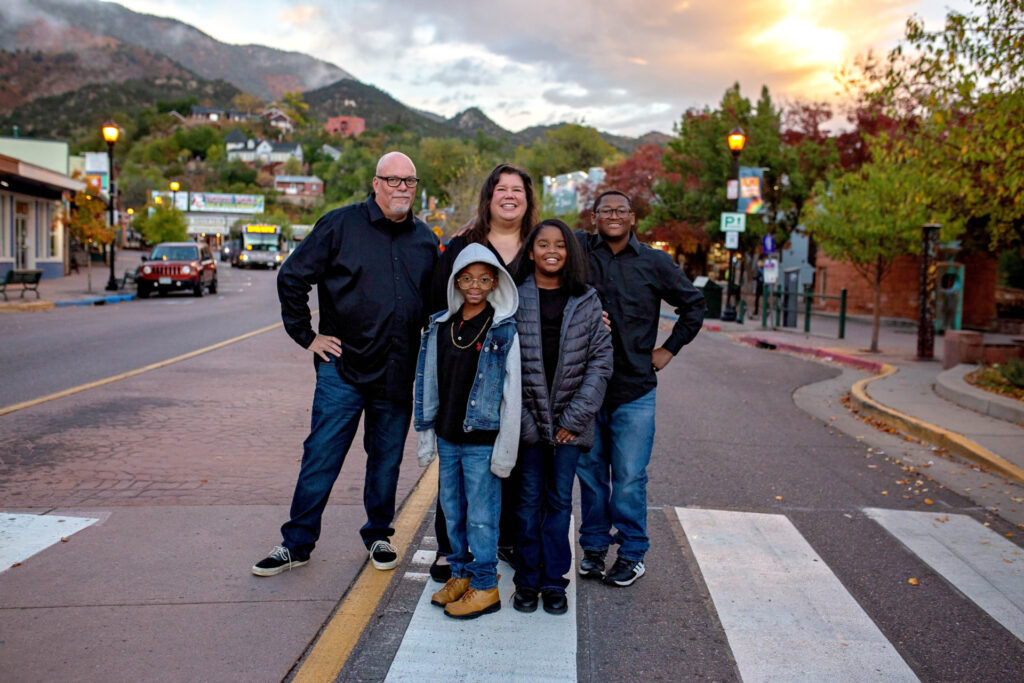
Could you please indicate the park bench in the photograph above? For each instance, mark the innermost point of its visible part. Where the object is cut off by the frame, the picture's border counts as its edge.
(129, 277)
(28, 279)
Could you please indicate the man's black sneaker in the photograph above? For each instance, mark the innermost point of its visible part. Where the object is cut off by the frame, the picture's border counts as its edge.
(555, 602)
(592, 564)
(525, 600)
(624, 572)
(280, 559)
(384, 555)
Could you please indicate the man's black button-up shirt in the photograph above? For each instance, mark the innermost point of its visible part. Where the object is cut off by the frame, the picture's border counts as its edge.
(371, 276)
(632, 285)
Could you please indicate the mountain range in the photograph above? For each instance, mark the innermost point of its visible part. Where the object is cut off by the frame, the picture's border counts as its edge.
(67, 53)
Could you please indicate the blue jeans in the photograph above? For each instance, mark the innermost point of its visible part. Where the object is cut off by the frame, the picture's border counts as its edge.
(471, 499)
(337, 407)
(543, 553)
(613, 479)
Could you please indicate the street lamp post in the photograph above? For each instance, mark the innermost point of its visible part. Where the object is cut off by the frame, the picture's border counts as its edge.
(175, 186)
(110, 134)
(736, 140)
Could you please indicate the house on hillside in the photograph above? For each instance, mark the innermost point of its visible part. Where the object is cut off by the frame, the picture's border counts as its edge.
(261, 151)
(216, 114)
(299, 189)
(332, 152)
(345, 126)
(234, 140)
(278, 119)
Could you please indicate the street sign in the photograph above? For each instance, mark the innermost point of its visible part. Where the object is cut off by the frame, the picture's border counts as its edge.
(732, 240)
(768, 244)
(771, 271)
(734, 222)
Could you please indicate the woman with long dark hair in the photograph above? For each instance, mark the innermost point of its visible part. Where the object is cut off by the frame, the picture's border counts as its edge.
(505, 213)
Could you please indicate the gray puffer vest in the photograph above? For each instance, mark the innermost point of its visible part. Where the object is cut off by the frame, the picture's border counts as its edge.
(584, 367)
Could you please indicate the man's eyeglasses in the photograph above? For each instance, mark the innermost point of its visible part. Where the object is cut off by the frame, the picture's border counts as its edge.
(618, 212)
(395, 181)
(465, 282)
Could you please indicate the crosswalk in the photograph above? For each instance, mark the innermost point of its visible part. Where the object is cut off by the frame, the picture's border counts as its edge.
(22, 536)
(785, 614)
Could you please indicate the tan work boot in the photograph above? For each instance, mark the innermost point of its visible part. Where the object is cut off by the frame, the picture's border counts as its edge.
(452, 590)
(474, 603)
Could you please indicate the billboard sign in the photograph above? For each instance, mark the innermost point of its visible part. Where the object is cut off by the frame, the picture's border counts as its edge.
(226, 203)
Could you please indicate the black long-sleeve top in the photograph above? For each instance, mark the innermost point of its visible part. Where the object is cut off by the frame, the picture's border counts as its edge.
(632, 284)
(372, 275)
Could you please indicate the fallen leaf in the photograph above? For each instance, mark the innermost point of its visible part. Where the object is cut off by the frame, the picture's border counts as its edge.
(63, 539)
(16, 564)
(885, 493)
(778, 497)
(1008, 534)
(912, 581)
(929, 501)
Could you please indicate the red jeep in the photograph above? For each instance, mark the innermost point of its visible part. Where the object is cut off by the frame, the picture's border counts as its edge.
(175, 267)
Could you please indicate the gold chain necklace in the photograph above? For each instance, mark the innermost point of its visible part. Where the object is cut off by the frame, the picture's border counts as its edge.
(456, 344)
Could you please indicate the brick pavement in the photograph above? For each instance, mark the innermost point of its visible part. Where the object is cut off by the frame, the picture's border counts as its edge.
(223, 428)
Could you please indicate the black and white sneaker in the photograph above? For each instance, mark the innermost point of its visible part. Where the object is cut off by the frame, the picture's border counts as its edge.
(279, 560)
(384, 555)
(624, 572)
(592, 564)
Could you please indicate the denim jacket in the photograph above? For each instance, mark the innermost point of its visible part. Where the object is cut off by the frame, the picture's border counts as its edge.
(495, 400)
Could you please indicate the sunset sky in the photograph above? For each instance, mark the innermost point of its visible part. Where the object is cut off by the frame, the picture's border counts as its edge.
(625, 66)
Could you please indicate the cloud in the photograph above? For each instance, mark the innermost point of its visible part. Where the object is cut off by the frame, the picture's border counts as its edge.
(301, 15)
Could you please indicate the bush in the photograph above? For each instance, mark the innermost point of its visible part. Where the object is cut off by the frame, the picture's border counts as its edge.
(1013, 372)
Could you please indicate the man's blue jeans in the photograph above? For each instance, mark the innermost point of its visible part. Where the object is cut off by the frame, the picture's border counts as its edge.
(471, 499)
(337, 407)
(543, 552)
(613, 479)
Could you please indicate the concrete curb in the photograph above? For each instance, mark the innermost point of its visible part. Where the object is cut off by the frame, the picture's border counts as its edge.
(25, 307)
(823, 354)
(952, 386)
(95, 300)
(943, 438)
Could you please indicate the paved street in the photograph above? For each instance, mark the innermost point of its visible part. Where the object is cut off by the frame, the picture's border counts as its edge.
(785, 532)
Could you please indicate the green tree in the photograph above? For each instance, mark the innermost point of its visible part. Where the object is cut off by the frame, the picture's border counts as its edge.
(296, 108)
(161, 223)
(570, 147)
(870, 217)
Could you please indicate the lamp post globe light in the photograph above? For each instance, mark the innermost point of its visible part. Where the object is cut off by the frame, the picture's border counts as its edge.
(110, 134)
(736, 139)
(175, 186)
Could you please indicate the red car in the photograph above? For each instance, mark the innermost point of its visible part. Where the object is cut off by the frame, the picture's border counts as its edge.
(176, 267)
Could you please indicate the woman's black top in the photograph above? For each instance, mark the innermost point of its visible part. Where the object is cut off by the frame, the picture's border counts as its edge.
(456, 372)
(552, 306)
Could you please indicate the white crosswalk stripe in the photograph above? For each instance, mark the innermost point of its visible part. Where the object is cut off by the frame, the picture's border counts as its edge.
(785, 614)
(504, 646)
(982, 565)
(22, 536)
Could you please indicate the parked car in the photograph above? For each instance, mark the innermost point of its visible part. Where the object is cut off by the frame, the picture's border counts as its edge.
(177, 267)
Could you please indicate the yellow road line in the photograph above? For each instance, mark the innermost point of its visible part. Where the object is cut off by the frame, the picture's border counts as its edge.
(943, 438)
(339, 637)
(132, 373)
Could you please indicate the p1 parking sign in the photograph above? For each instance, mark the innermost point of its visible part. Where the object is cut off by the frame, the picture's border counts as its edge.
(734, 222)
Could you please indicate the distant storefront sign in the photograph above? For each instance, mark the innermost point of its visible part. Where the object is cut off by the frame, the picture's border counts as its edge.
(226, 203)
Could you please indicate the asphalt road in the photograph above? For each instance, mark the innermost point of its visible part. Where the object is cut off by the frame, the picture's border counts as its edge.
(48, 351)
(732, 444)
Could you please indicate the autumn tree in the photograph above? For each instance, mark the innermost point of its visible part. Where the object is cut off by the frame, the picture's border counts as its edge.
(88, 224)
(870, 217)
(296, 108)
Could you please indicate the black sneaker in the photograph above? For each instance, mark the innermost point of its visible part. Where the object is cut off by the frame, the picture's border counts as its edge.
(525, 600)
(384, 555)
(624, 572)
(592, 564)
(555, 602)
(280, 559)
(440, 572)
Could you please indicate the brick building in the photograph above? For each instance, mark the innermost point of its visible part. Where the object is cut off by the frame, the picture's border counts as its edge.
(900, 288)
(345, 126)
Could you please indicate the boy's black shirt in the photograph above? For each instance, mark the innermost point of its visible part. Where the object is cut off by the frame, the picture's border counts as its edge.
(552, 308)
(456, 372)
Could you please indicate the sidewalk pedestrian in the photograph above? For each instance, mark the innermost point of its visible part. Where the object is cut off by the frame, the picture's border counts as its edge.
(632, 279)
(468, 411)
(370, 262)
(506, 210)
(566, 362)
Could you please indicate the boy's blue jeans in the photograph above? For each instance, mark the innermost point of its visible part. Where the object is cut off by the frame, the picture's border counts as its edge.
(337, 407)
(543, 551)
(470, 496)
(613, 479)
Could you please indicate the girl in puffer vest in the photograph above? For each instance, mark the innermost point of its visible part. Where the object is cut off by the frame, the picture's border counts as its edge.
(566, 356)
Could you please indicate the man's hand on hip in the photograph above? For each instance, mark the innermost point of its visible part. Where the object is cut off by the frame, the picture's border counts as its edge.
(660, 357)
(324, 344)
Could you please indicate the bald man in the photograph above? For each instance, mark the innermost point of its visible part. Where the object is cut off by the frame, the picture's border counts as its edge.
(371, 263)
